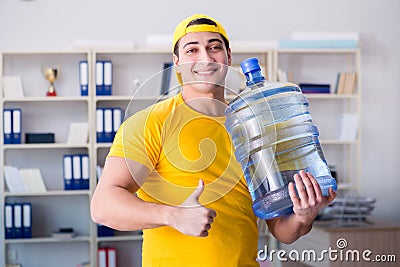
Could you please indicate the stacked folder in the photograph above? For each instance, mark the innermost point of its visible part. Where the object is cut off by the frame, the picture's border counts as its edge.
(12, 126)
(76, 172)
(107, 257)
(104, 71)
(108, 121)
(18, 220)
(84, 77)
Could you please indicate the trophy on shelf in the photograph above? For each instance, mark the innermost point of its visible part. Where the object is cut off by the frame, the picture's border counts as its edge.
(51, 74)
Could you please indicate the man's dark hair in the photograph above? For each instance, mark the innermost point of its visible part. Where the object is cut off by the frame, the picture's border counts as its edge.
(200, 21)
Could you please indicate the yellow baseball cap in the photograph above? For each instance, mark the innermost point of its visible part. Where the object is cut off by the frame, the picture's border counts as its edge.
(183, 28)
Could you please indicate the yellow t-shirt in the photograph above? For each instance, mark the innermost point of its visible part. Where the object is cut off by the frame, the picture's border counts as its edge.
(182, 146)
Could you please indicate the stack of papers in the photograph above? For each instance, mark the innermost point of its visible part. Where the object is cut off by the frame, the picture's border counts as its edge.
(24, 180)
(349, 208)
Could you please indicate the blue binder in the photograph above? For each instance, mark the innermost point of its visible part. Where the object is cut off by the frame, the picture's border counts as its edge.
(100, 125)
(85, 172)
(76, 172)
(166, 78)
(84, 77)
(16, 126)
(67, 168)
(7, 126)
(107, 77)
(17, 220)
(108, 125)
(103, 230)
(99, 77)
(27, 220)
(117, 120)
(8, 221)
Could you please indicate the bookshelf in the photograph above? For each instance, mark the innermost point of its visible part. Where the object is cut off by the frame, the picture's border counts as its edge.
(40, 114)
(131, 71)
(322, 66)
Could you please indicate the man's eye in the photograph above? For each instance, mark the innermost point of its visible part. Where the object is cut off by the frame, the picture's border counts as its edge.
(191, 51)
(215, 47)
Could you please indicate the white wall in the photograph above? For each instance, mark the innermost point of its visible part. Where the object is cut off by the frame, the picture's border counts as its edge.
(52, 24)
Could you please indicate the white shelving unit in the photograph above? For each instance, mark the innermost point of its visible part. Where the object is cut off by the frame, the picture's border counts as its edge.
(132, 69)
(40, 114)
(322, 66)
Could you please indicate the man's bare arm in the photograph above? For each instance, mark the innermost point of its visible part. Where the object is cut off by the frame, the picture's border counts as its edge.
(116, 205)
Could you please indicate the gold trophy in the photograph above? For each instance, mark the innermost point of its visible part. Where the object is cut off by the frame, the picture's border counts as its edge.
(51, 74)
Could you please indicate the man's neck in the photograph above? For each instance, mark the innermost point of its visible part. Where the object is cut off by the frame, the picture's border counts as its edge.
(208, 103)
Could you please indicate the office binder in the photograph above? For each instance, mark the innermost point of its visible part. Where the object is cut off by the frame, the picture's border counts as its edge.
(85, 172)
(84, 77)
(99, 77)
(103, 230)
(7, 126)
(102, 257)
(17, 219)
(99, 125)
(108, 125)
(16, 126)
(8, 221)
(27, 220)
(76, 172)
(107, 78)
(166, 78)
(111, 257)
(67, 172)
(117, 120)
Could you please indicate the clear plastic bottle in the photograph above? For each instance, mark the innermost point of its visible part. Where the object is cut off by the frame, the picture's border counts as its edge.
(274, 138)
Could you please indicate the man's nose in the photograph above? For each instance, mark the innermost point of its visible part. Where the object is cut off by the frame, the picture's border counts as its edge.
(205, 56)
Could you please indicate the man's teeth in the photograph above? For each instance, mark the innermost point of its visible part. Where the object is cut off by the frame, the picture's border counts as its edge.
(205, 72)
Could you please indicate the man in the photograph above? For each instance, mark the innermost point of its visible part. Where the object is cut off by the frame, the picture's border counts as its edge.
(171, 170)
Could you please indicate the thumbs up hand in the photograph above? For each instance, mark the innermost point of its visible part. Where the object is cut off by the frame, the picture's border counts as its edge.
(192, 218)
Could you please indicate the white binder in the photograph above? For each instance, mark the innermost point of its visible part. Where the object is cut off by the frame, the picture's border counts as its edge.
(100, 125)
(117, 119)
(8, 221)
(76, 172)
(84, 77)
(111, 257)
(108, 125)
(99, 78)
(107, 89)
(102, 257)
(27, 219)
(17, 216)
(7, 124)
(16, 126)
(67, 172)
(85, 172)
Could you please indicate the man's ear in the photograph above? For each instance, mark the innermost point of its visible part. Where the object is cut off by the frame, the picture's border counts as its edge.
(229, 56)
(175, 59)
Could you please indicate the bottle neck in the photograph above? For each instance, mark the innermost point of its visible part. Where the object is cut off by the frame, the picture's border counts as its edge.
(254, 79)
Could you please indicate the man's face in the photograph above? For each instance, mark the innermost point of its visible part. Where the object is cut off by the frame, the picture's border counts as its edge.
(203, 60)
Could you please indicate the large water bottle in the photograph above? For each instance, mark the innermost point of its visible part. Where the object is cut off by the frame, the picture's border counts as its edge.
(274, 138)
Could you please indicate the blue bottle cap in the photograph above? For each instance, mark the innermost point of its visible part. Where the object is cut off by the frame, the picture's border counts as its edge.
(250, 64)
